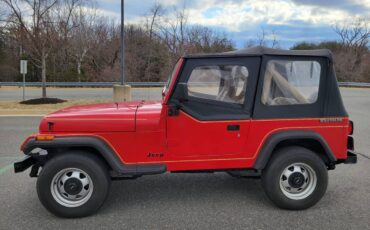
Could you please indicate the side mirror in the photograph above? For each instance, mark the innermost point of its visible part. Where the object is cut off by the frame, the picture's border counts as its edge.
(181, 92)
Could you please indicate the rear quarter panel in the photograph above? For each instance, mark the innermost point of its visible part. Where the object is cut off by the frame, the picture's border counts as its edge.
(334, 133)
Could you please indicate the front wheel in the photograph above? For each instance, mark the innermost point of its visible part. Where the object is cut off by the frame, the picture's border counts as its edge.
(73, 184)
(295, 178)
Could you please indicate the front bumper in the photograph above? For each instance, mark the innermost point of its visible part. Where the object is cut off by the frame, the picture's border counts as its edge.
(35, 159)
(24, 164)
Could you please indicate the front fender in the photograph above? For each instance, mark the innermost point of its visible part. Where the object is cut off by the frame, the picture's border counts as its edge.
(100, 146)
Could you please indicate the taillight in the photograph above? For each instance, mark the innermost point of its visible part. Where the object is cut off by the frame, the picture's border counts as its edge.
(350, 128)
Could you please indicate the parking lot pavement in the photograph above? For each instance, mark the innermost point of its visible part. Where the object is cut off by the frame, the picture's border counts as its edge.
(193, 201)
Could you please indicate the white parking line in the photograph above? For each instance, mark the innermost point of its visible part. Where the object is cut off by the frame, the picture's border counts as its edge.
(9, 166)
(5, 168)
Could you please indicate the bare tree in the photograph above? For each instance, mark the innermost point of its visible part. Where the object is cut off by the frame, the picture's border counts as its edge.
(65, 23)
(82, 35)
(34, 20)
(264, 38)
(355, 34)
(79, 44)
(355, 41)
(152, 23)
(274, 39)
(261, 37)
(203, 39)
(174, 29)
(2, 20)
(182, 19)
(105, 48)
(2, 13)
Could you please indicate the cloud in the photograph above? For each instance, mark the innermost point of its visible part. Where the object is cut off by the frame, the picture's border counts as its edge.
(291, 19)
(235, 16)
(353, 6)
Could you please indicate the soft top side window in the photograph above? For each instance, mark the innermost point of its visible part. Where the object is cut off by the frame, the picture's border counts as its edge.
(225, 83)
(289, 82)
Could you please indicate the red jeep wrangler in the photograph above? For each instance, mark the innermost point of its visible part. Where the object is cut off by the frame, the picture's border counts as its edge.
(255, 112)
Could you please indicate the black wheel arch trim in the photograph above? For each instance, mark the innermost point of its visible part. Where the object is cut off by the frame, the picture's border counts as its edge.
(102, 147)
(272, 141)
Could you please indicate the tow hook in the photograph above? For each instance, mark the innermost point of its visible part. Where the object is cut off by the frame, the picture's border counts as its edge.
(331, 166)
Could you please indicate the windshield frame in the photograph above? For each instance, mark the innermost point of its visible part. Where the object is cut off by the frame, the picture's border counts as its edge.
(171, 80)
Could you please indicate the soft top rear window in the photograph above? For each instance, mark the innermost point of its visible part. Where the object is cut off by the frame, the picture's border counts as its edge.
(289, 82)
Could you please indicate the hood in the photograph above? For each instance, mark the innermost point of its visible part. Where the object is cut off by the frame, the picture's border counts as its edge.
(149, 117)
(107, 117)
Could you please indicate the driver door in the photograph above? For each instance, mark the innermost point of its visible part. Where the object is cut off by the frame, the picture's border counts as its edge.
(213, 122)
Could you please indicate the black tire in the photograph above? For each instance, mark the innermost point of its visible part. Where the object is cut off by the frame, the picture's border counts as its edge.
(88, 163)
(281, 160)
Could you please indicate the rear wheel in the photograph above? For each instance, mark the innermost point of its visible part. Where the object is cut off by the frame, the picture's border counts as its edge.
(295, 178)
(73, 184)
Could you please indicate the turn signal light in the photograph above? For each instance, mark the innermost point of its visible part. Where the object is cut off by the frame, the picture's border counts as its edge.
(44, 138)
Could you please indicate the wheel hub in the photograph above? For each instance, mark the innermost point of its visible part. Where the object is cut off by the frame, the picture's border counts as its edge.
(73, 186)
(296, 180)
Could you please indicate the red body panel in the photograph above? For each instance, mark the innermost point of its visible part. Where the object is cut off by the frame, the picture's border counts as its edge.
(184, 143)
(190, 138)
(143, 133)
(109, 117)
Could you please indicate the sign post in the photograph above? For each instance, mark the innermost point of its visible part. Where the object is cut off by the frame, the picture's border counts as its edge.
(24, 72)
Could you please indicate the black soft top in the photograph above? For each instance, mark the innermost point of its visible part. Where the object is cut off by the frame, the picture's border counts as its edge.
(329, 103)
(261, 51)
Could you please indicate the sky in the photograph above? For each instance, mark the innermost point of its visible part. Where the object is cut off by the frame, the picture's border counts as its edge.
(291, 21)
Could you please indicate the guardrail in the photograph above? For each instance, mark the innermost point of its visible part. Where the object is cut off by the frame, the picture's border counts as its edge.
(84, 84)
(133, 84)
(354, 84)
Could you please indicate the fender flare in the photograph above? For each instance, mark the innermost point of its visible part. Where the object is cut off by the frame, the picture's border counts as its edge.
(273, 140)
(102, 147)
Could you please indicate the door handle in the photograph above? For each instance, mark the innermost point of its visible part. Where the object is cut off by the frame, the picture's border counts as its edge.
(233, 127)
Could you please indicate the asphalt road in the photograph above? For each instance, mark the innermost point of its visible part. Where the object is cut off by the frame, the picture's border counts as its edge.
(193, 201)
(15, 93)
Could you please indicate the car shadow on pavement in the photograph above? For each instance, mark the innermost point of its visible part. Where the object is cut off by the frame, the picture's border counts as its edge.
(185, 189)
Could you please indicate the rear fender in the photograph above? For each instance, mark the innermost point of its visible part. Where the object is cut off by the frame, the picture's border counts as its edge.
(272, 142)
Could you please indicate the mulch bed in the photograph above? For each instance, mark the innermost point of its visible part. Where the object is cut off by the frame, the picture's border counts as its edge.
(40, 101)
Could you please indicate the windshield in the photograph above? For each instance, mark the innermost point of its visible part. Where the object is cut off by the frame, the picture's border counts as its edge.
(171, 77)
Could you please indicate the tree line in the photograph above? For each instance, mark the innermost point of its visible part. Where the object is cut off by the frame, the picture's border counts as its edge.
(70, 41)
(351, 51)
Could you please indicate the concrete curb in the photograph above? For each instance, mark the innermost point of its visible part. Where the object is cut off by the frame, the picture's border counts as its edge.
(22, 115)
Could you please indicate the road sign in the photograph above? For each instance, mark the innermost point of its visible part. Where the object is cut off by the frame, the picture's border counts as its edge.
(23, 67)
(24, 72)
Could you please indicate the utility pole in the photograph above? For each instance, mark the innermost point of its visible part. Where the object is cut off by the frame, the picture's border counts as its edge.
(122, 42)
(122, 92)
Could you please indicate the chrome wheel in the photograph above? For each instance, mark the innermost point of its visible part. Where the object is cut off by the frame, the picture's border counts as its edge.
(71, 187)
(298, 181)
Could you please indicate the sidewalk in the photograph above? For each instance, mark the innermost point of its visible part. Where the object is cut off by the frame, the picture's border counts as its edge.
(14, 108)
